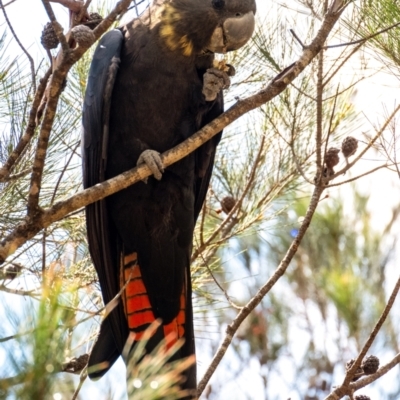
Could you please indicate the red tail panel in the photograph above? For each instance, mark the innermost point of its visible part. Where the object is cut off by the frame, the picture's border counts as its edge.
(138, 308)
(176, 329)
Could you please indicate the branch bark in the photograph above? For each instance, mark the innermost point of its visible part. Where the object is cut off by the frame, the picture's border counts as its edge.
(73, 5)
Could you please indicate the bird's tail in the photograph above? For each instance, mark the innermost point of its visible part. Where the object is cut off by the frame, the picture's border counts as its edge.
(140, 316)
(138, 310)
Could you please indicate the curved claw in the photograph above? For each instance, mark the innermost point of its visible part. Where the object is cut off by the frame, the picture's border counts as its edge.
(153, 160)
(214, 81)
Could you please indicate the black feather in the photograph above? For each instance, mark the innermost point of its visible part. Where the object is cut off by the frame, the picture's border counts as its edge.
(100, 231)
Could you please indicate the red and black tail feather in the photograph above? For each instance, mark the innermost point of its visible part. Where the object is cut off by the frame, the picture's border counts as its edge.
(176, 329)
(138, 308)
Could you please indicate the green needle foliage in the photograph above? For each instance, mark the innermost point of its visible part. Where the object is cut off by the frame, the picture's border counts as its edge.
(375, 17)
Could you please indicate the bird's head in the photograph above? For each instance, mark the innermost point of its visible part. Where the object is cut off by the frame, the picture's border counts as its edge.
(235, 27)
(217, 26)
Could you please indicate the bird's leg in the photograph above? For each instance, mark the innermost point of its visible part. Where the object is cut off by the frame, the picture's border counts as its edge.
(153, 160)
(214, 80)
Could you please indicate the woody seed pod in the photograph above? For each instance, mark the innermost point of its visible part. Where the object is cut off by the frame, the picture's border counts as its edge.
(49, 38)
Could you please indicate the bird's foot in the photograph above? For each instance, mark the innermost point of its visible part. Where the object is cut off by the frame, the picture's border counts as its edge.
(214, 80)
(153, 160)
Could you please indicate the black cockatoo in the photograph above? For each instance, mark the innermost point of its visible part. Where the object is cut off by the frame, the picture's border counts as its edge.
(151, 85)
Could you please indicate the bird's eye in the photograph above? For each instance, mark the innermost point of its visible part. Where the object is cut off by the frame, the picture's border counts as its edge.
(238, 15)
(218, 4)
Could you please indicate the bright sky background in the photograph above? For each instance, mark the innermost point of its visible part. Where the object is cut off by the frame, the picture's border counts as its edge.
(28, 18)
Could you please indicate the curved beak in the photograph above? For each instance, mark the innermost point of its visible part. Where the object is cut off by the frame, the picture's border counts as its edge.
(233, 34)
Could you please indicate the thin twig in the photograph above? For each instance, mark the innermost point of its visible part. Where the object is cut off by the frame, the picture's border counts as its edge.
(296, 37)
(235, 208)
(31, 293)
(202, 220)
(135, 4)
(82, 379)
(369, 145)
(320, 88)
(83, 12)
(44, 247)
(372, 378)
(395, 155)
(17, 176)
(73, 5)
(358, 176)
(330, 121)
(221, 288)
(374, 332)
(362, 41)
(298, 166)
(332, 116)
(16, 336)
(31, 62)
(346, 387)
(29, 131)
(136, 8)
(63, 172)
(73, 366)
(10, 2)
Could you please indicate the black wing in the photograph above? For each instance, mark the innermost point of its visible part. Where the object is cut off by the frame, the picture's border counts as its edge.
(102, 248)
(205, 156)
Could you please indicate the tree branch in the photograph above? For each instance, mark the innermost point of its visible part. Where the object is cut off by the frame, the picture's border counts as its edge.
(372, 378)
(43, 141)
(358, 176)
(369, 145)
(73, 5)
(42, 219)
(319, 100)
(346, 387)
(10, 2)
(65, 59)
(363, 40)
(253, 303)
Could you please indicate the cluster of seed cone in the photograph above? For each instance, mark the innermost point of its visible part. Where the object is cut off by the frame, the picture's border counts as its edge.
(368, 366)
(349, 147)
(227, 203)
(49, 38)
(10, 271)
